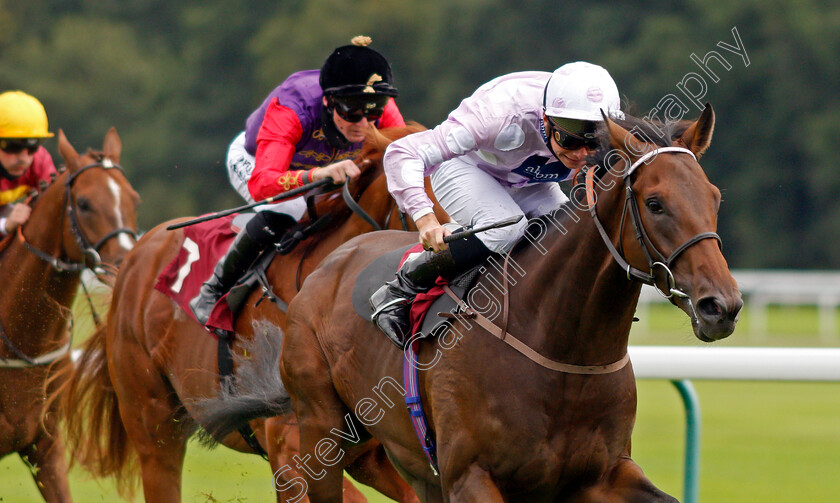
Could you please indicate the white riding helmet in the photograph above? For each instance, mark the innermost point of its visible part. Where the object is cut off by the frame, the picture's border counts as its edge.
(580, 90)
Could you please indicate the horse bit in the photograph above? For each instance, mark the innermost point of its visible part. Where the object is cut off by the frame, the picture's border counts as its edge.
(92, 261)
(655, 259)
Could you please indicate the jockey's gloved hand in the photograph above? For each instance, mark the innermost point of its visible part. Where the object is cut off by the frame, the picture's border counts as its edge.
(339, 171)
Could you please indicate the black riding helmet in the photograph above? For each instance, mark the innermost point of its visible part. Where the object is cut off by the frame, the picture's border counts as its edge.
(357, 70)
(357, 82)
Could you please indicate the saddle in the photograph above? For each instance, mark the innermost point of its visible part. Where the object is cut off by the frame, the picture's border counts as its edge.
(432, 317)
(434, 311)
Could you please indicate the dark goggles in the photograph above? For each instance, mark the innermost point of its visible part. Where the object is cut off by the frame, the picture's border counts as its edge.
(17, 145)
(356, 108)
(584, 137)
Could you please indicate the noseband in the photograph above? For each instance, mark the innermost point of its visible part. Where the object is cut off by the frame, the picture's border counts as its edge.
(90, 251)
(656, 260)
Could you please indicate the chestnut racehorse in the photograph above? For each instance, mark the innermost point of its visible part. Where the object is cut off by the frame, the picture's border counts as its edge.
(141, 374)
(86, 218)
(538, 403)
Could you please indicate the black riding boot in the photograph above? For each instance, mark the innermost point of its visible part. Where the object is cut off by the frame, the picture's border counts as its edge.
(242, 253)
(392, 302)
(261, 231)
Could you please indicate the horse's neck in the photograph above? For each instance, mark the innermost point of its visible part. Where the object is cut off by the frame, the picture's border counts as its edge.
(576, 304)
(37, 291)
(376, 202)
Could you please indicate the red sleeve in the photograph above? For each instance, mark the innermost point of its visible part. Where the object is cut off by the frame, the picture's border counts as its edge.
(279, 133)
(42, 166)
(391, 116)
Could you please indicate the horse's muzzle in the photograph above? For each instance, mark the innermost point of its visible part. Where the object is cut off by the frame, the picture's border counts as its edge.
(716, 317)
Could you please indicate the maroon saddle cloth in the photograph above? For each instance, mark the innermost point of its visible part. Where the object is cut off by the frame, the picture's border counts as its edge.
(203, 246)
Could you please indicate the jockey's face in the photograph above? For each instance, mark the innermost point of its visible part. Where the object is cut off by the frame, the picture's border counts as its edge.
(572, 159)
(16, 164)
(353, 131)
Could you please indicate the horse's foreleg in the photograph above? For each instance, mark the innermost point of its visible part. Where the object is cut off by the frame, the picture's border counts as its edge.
(374, 469)
(475, 484)
(49, 468)
(282, 440)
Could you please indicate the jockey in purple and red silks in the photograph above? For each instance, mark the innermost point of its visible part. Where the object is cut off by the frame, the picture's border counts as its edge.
(24, 163)
(309, 128)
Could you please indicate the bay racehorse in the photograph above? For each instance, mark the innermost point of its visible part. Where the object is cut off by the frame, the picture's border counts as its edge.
(141, 374)
(86, 218)
(529, 395)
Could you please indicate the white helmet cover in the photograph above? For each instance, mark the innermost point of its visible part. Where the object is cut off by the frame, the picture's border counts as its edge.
(580, 90)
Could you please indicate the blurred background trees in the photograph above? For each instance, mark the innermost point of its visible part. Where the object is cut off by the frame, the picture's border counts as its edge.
(178, 79)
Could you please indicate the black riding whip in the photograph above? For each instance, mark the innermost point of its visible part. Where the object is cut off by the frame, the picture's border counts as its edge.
(469, 232)
(278, 197)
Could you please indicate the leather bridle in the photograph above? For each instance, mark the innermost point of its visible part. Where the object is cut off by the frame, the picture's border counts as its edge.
(656, 259)
(90, 251)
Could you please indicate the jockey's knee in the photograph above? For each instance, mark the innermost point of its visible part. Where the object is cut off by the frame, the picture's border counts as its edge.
(501, 240)
(268, 226)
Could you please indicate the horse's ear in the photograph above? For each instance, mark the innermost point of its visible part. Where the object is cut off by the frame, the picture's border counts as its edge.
(698, 136)
(624, 140)
(68, 153)
(113, 145)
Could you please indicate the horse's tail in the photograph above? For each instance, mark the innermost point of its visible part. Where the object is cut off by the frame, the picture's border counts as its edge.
(257, 390)
(87, 403)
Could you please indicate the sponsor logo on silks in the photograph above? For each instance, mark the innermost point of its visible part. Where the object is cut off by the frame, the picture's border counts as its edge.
(537, 169)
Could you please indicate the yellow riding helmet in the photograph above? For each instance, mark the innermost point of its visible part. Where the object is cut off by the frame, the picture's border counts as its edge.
(22, 116)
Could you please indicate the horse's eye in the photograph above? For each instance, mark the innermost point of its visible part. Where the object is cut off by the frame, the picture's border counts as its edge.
(654, 206)
(83, 204)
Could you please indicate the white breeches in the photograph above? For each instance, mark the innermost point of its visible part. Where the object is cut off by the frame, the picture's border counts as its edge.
(472, 197)
(240, 165)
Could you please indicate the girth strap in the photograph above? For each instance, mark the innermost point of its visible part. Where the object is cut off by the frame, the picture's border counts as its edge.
(415, 407)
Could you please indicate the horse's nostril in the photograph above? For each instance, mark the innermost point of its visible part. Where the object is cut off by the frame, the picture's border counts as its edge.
(710, 308)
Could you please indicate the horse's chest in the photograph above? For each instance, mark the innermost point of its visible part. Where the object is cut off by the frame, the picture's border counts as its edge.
(542, 437)
(20, 409)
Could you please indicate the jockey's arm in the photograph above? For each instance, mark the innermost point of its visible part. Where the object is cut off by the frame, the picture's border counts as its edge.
(279, 133)
(391, 116)
(408, 160)
(339, 171)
